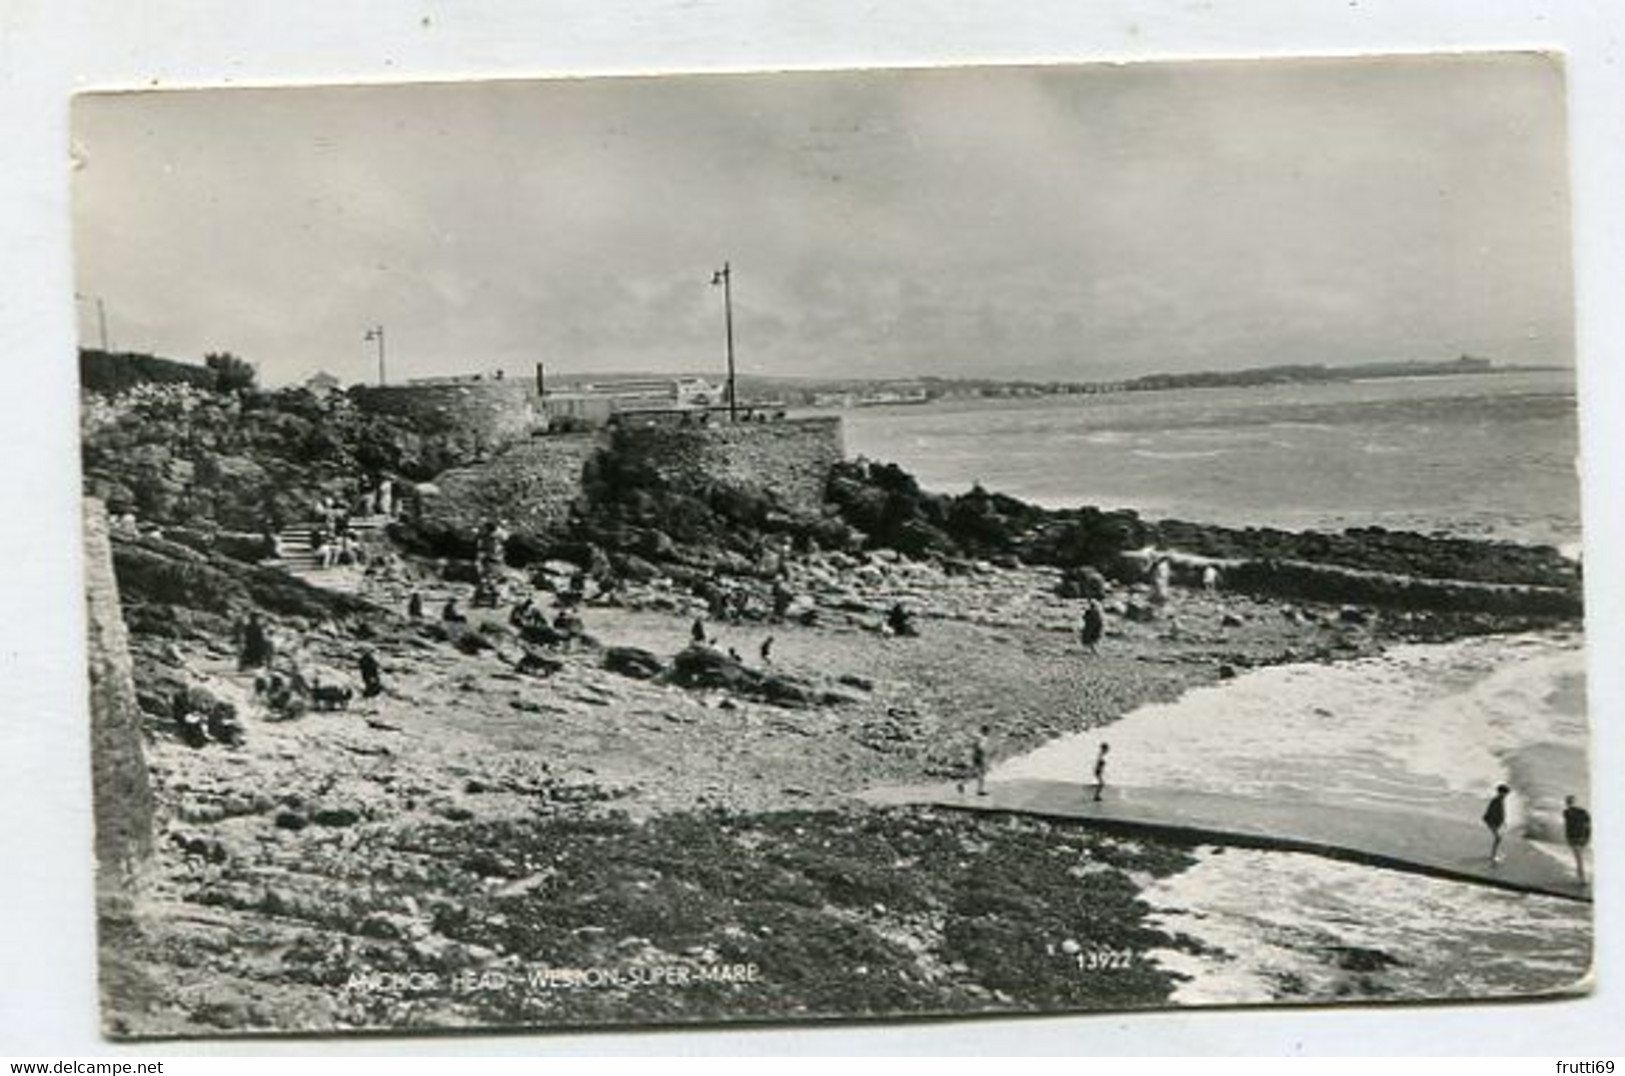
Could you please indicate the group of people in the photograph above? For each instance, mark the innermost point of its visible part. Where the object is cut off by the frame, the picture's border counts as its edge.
(1576, 828)
(331, 537)
(698, 637)
(980, 760)
(280, 681)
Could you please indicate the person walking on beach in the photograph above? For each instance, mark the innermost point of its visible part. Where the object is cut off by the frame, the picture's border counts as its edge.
(766, 650)
(978, 762)
(1100, 770)
(1093, 626)
(1495, 817)
(697, 631)
(1577, 831)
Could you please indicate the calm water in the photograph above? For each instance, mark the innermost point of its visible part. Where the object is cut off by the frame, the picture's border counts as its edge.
(1485, 455)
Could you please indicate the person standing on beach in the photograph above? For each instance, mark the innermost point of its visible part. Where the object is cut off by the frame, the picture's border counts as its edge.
(1093, 626)
(1577, 831)
(372, 675)
(1100, 770)
(1161, 575)
(978, 761)
(1495, 817)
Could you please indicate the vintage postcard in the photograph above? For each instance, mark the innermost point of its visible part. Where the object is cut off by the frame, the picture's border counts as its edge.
(841, 544)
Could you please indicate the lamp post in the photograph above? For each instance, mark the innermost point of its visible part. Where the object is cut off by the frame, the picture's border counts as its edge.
(724, 277)
(377, 333)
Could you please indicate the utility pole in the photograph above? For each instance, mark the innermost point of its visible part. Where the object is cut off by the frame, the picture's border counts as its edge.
(377, 333)
(724, 276)
(101, 318)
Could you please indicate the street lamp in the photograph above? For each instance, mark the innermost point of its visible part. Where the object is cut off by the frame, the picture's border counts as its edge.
(377, 333)
(724, 277)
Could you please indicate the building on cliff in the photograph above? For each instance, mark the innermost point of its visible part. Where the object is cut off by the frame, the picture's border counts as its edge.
(594, 404)
(497, 409)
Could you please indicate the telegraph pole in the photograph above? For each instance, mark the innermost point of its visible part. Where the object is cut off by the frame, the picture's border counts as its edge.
(724, 276)
(101, 317)
(377, 333)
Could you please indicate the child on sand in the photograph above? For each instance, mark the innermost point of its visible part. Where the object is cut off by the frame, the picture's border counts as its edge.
(1495, 817)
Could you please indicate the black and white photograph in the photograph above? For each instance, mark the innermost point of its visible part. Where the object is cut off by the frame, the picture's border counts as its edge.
(850, 544)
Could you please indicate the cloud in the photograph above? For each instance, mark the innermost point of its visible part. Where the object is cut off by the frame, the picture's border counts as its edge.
(1053, 222)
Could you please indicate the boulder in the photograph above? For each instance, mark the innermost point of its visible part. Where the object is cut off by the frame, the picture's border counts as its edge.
(1139, 612)
(1082, 583)
(335, 816)
(633, 661)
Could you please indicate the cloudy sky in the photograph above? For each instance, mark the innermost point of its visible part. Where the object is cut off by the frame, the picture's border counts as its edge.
(1062, 222)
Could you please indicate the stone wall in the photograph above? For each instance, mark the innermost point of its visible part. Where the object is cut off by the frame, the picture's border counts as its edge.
(531, 485)
(123, 796)
(788, 457)
(492, 411)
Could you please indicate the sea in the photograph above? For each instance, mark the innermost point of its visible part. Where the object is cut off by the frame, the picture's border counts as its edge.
(1475, 455)
(1418, 728)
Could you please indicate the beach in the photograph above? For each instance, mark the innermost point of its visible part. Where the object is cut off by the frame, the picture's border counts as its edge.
(694, 740)
(478, 820)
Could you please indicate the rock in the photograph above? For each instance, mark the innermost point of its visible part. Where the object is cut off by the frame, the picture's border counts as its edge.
(701, 666)
(1230, 620)
(460, 571)
(470, 642)
(632, 661)
(1227, 672)
(290, 820)
(336, 816)
(1139, 613)
(1082, 582)
(1353, 614)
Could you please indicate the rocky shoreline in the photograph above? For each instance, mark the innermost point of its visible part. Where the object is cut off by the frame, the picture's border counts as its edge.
(678, 822)
(476, 821)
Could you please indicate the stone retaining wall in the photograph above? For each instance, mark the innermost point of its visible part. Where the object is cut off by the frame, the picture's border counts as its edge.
(123, 796)
(788, 457)
(494, 411)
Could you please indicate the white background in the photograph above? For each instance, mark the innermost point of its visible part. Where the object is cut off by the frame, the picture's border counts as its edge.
(50, 48)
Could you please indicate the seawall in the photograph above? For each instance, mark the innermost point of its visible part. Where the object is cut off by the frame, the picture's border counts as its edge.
(492, 411)
(123, 796)
(788, 457)
(533, 484)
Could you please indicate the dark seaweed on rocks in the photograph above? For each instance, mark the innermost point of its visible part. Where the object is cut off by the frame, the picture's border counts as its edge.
(824, 905)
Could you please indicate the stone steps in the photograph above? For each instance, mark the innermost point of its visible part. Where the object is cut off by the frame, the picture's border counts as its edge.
(298, 557)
